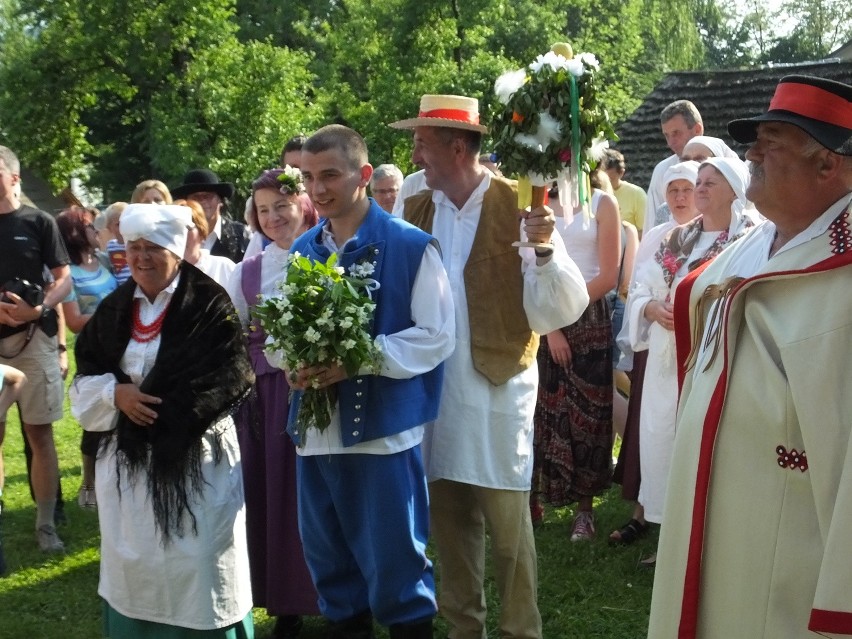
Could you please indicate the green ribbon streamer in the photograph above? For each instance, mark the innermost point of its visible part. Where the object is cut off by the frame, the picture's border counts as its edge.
(574, 95)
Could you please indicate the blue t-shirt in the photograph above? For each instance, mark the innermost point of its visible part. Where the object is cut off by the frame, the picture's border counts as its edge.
(90, 287)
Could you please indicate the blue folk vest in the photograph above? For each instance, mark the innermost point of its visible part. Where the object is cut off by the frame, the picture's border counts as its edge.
(372, 406)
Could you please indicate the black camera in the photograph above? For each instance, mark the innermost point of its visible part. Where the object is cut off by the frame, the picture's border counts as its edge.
(32, 294)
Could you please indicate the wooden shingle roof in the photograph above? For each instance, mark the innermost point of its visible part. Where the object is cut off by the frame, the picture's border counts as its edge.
(721, 96)
(36, 192)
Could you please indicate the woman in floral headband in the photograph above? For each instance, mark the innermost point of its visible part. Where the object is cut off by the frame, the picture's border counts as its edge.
(280, 579)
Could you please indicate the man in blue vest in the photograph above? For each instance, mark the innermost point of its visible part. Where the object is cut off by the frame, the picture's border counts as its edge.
(363, 500)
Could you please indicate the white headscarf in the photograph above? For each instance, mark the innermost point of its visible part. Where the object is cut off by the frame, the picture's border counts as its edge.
(165, 225)
(736, 173)
(717, 146)
(681, 171)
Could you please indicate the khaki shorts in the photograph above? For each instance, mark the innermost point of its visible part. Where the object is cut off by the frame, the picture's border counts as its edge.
(43, 394)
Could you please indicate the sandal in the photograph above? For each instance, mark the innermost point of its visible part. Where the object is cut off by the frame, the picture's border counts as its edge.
(629, 532)
(649, 562)
(86, 497)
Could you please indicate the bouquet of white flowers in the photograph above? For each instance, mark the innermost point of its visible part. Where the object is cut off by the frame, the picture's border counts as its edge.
(322, 317)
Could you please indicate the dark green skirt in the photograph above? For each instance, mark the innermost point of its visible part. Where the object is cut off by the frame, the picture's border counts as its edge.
(117, 626)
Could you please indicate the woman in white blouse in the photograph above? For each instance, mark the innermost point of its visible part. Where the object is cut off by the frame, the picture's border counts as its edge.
(724, 217)
(280, 579)
(161, 365)
(218, 267)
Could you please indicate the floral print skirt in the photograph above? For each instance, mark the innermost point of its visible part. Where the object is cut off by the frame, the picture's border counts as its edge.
(573, 417)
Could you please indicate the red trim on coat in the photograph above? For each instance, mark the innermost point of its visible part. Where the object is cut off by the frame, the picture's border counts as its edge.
(682, 326)
(830, 621)
(692, 577)
(688, 626)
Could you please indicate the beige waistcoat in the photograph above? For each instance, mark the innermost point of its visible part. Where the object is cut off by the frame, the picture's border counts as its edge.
(502, 343)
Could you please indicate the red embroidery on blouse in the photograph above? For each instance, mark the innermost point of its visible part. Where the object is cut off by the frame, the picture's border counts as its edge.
(841, 236)
(793, 459)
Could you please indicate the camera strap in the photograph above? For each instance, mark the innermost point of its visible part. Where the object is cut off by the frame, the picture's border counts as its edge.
(31, 329)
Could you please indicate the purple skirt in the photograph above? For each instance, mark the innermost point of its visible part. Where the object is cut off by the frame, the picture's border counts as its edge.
(280, 579)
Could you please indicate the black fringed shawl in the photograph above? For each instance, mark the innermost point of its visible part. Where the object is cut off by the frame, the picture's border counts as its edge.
(202, 372)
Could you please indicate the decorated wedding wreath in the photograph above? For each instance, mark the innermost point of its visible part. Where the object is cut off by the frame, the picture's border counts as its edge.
(553, 126)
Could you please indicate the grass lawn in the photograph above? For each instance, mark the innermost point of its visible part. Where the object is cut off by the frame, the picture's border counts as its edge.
(585, 590)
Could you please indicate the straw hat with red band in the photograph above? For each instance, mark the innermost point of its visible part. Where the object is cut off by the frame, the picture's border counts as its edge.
(449, 111)
(822, 108)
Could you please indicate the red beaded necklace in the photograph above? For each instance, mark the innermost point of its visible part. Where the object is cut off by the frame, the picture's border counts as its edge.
(143, 333)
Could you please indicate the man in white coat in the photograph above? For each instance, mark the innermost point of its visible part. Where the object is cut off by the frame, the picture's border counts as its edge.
(755, 540)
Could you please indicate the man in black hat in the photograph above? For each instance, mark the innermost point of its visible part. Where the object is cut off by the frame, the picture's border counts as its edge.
(227, 237)
(754, 541)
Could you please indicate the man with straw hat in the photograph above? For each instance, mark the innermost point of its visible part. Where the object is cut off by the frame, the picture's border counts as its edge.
(754, 541)
(478, 453)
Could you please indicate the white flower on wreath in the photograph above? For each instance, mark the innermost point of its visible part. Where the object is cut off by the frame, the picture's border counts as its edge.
(598, 149)
(312, 335)
(549, 129)
(345, 323)
(589, 60)
(575, 67)
(550, 59)
(348, 343)
(531, 141)
(508, 84)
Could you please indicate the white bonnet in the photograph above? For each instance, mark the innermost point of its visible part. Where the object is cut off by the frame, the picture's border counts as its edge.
(681, 171)
(165, 225)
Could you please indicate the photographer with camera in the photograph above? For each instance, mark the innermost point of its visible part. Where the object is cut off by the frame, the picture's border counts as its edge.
(29, 242)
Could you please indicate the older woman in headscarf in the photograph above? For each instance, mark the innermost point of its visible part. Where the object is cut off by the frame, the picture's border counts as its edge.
(280, 579)
(161, 366)
(724, 217)
(697, 149)
(679, 187)
(702, 147)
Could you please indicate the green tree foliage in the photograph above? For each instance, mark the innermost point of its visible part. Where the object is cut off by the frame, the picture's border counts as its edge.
(232, 110)
(121, 95)
(820, 27)
(726, 38)
(410, 47)
(127, 95)
(749, 32)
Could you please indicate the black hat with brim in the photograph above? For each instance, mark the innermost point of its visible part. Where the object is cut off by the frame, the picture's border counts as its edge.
(202, 181)
(820, 107)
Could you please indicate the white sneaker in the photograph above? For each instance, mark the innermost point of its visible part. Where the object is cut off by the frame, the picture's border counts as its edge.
(48, 540)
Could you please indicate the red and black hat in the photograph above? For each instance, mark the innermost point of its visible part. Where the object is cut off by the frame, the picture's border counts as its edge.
(822, 108)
